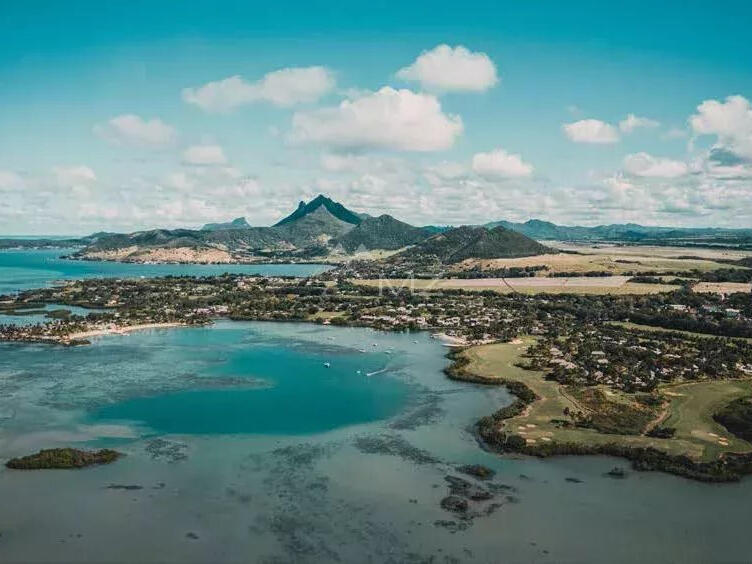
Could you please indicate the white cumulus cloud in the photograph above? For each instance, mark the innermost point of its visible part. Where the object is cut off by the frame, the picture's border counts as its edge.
(204, 155)
(452, 68)
(130, 129)
(386, 119)
(643, 164)
(284, 87)
(501, 164)
(591, 131)
(632, 122)
(730, 121)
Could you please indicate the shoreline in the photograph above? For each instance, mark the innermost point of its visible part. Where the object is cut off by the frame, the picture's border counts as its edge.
(234, 262)
(730, 467)
(124, 330)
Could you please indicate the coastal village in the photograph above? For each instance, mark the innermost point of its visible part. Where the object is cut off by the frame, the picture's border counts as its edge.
(583, 340)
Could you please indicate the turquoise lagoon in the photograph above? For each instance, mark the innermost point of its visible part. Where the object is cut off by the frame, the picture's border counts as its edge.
(241, 445)
(26, 269)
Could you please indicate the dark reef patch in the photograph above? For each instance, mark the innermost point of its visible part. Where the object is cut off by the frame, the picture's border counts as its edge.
(63, 458)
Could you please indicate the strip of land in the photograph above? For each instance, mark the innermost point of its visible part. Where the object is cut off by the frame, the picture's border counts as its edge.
(120, 330)
(598, 285)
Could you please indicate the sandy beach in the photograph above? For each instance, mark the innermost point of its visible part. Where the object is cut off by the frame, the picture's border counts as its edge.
(120, 330)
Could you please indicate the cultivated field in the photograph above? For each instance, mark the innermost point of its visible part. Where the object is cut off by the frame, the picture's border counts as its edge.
(617, 259)
(651, 251)
(539, 285)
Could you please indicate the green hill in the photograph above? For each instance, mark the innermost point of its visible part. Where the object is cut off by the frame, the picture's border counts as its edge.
(383, 232)
(467, 242)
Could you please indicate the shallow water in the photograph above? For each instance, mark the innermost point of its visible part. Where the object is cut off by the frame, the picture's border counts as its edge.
(27, 269)
(22, 318)
(309, 463)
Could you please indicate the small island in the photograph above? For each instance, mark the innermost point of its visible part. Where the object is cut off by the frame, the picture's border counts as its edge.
(63, 458)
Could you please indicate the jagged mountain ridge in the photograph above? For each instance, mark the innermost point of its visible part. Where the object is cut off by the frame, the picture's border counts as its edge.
(334, 208)
(317, 226)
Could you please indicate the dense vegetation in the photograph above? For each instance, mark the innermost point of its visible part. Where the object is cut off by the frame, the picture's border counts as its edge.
(61, 458)
(737, 418)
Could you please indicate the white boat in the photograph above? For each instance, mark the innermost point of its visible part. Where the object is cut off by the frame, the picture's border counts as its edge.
(327, 364)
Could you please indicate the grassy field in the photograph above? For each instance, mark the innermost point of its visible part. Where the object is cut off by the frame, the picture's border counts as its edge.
(690, 408)
(616, 260)
(600, 286)
(653, 251)
(325, 315)
(722, 287)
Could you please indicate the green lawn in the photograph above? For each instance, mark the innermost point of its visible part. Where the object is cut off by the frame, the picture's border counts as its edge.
(692, 409)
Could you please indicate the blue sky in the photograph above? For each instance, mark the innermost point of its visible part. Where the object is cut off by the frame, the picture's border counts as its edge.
(120, 115)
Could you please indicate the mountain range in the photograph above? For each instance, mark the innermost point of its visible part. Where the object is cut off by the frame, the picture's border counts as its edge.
(316, 229)
(323, 228)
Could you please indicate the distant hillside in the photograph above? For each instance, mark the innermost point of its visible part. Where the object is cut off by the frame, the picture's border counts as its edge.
(383, 232)
(168, 238)
(435, 229)
(239, 223)
(627, 232)
(49, 243)
(466, 242)
(323, 227)
(336, 209)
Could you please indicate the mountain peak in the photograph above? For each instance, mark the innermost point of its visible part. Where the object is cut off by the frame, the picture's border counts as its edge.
(336, 209)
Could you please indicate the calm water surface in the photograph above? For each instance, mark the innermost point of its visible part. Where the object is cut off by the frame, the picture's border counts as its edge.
(243, 446)
(23, 270)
